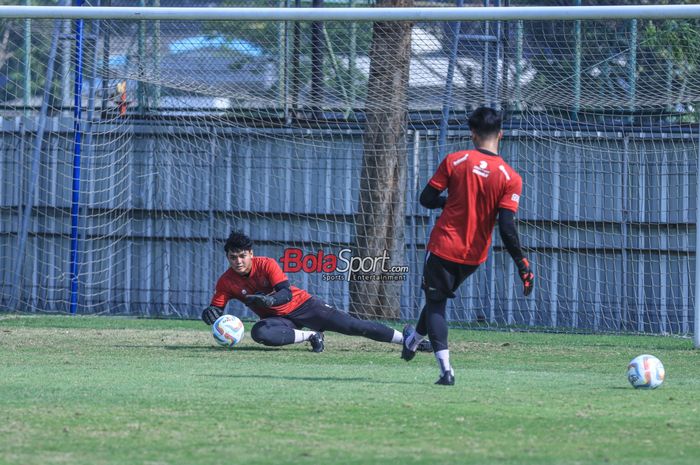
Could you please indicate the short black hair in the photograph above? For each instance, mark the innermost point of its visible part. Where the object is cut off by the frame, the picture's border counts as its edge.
(238, 241)
(485, 122)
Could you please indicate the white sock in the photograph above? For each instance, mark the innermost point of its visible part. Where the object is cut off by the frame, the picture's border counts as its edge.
(397, 338)
(413, 340)
(301, 336)
(443, 359)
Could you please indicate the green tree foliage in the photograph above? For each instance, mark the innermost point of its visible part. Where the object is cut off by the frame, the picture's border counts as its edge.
(676, 42)
(340, 40)
(623, 65)
(12, 54)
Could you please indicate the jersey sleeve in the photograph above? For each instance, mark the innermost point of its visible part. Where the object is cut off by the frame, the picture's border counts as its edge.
(511, 194)
(221, 295)
(441, 177)
(275, 275)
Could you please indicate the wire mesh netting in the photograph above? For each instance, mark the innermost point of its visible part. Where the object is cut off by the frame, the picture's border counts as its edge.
(317, 137)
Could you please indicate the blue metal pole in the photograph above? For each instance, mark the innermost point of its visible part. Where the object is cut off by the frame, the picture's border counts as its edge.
(447, 94)
(75, 202)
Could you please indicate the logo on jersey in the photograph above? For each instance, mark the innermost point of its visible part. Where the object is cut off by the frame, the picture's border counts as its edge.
(482, 170)
(460, 160)
(515, 198)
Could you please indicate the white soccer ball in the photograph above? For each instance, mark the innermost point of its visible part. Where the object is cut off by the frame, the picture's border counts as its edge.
(228, 330)
(646, 372)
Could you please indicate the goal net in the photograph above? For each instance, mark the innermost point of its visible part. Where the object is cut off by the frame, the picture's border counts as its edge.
(131, 148)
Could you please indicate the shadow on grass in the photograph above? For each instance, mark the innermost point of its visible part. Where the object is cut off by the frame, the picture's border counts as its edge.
(255, 348)
(197, 347)
(311, 378)
(161, 347)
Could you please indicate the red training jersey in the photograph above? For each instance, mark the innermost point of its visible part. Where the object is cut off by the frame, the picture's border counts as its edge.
(264, 275)
(478, 184)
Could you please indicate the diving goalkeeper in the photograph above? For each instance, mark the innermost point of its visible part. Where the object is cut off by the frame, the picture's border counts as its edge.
(284, 310)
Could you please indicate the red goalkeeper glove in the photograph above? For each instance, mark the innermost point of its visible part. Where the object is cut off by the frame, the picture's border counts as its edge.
(526, 275)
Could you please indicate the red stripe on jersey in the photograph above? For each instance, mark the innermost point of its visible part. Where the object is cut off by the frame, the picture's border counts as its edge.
(477, 184)
(264, 274)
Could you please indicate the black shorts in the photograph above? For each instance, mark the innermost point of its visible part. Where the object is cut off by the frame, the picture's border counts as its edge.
(314, 314)
(441, 277)
(317, 315)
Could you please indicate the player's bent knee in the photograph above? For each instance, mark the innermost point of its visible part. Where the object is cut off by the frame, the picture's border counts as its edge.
(260, 333)
(266, 334)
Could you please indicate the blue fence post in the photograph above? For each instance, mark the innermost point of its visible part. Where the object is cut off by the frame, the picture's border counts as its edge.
(696, 303)
(77, 135)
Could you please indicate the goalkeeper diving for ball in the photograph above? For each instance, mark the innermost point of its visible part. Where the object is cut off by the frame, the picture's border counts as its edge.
(284, 309)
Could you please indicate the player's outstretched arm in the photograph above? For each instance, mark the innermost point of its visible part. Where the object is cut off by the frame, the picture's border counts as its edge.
(282, 295)
(430, 198)
(509, 236)
(211, 313)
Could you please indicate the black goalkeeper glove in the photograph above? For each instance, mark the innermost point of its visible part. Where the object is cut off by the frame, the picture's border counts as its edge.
(526, 275)
(260, 300)
(211, 314)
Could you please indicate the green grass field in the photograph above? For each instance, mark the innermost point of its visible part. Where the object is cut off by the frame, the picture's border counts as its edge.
(98, 390)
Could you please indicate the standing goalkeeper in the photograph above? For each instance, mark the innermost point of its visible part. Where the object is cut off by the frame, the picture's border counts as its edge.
(283, 309)
(482, 189)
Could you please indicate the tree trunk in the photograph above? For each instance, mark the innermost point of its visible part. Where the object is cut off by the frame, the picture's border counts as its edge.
(380, 218)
